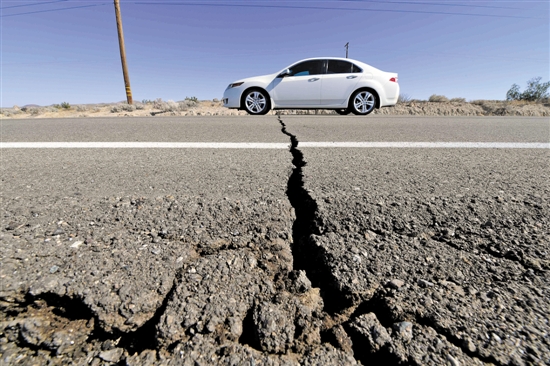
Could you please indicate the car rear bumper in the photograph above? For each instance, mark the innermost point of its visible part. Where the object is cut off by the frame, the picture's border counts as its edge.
(392, 95)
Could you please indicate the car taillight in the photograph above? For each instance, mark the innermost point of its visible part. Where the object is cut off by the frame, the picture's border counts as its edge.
(394, 79)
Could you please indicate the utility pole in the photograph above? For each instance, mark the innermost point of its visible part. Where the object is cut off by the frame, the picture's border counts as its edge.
(123, 53)
(347, 45)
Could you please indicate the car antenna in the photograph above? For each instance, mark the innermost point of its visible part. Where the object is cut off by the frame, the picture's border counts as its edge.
(347, 45)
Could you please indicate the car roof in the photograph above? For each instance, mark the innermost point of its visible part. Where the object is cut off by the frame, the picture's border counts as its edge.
(334, 58)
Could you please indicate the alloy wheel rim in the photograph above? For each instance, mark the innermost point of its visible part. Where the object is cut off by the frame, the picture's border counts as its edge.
(364, 102)
(255, 102)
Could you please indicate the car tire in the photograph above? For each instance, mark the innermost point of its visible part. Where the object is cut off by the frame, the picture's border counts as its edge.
(256, 102)
(342, 112)
(362, 102)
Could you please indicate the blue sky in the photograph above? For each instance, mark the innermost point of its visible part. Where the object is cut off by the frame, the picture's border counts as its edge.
(178, 48)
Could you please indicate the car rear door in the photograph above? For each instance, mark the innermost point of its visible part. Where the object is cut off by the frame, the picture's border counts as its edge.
(302, 87)
(339, 82)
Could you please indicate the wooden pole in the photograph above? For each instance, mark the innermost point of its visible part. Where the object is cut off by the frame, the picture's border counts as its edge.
(347, 45)
(123, 52)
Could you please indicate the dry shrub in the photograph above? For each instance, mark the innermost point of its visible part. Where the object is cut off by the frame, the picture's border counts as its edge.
(123, 107)
(438, 98)
(35, 111)
(403, 98)
(458, 100)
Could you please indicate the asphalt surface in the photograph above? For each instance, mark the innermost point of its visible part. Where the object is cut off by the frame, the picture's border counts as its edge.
(270, 256)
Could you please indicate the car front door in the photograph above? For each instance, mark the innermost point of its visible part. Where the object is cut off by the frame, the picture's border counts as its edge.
(301, 87)
(339, 82)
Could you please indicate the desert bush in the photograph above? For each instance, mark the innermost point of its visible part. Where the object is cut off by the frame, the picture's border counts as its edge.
(65, 105)
(458, 100)
(193, 99)
(128, 107)
(116, 108)
(187, 103)
(536, 91)
(81, 108)
(123, 107)
(216, 100)
(96, 109)
(139, 106)
(403, 98)
(34, 111)
(438, 98)
(147, 101)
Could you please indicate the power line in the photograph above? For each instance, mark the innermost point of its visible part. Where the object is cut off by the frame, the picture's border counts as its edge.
(332, 8)
(248, 5)
(50, 10)
(33, 4)
(429, 4)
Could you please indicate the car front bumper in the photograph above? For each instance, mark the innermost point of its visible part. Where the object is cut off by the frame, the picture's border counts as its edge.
(232, 97)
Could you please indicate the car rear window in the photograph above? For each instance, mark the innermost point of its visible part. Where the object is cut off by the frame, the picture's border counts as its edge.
(341, 67)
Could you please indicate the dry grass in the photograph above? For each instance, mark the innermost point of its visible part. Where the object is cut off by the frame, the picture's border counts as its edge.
(458, 100)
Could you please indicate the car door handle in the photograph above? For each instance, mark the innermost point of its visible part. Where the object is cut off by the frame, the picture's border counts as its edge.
(313, 79)
(351, 77)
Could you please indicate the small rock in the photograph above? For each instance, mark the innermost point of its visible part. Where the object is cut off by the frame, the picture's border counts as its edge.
(76, 244)
(424, 283)
(369, 235)
(54, 269)
(370, 332)
(453, 361)
(112, 355)
(470, 346)
(404, 330)
(58, 231)
(396, 284)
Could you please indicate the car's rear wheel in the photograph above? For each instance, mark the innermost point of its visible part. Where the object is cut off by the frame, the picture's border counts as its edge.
(362, 102)
(342, 112)
(256, 102)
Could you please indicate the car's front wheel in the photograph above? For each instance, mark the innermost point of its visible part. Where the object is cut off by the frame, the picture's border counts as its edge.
(342, 112)
(256, 102)
(362, 102)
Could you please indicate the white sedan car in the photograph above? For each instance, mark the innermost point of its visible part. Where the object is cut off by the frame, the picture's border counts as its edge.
(341, 84)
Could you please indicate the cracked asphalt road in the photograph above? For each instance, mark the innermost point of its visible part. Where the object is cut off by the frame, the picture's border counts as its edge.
(271, 256)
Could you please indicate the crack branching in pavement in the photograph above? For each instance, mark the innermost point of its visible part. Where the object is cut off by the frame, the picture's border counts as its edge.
(74, 308)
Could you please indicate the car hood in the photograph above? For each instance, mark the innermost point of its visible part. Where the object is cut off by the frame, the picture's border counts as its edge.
(262, 79)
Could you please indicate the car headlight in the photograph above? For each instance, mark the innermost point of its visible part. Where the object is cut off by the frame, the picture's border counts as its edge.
(235, 85)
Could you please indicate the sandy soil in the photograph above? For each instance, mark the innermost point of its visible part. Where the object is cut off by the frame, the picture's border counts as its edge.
(215, 108)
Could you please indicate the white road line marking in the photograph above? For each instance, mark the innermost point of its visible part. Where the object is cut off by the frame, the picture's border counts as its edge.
(267, 145)
(143, 145)
(424, 145)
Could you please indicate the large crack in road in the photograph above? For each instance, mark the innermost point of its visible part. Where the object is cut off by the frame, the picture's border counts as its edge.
(345, 328)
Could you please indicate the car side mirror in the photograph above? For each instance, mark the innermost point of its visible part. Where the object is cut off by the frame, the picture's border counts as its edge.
(285, 72)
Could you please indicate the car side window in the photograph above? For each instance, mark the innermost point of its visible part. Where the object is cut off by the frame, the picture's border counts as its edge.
(341, 67)
(313, 67)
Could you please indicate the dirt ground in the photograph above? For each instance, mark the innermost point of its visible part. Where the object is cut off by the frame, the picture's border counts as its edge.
(215, 108)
